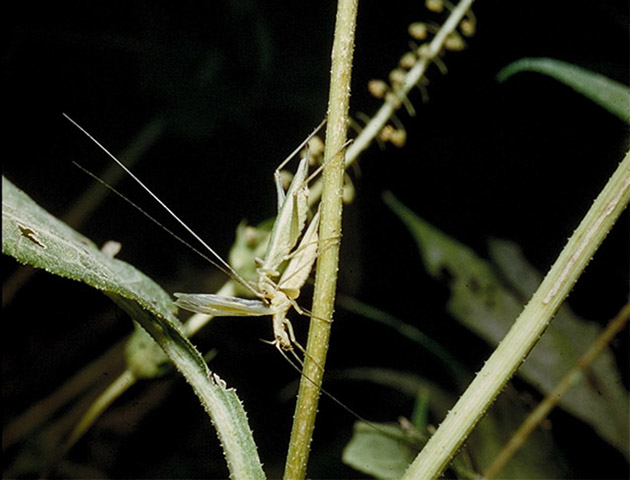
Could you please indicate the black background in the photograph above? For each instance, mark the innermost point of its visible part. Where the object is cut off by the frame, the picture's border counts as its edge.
(240, 84)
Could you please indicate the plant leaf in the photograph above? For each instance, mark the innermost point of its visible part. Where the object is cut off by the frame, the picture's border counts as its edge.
(375, 453)
(33, 236)
(481, 302)
(612, 95)
(370, 451)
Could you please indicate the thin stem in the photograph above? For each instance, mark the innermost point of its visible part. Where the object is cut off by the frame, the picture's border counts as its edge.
(387, 110)
(114, 390)
(573, 377)
(527, 329)
(330, 228)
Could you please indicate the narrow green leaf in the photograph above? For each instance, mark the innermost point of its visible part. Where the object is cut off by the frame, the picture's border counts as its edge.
(34, 237)
(612, 95)
(483, 303)
(220, 402)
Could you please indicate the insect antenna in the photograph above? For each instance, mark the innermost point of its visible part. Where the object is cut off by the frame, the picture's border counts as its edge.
(221, 264)
(300, 146)
(225, 267)
(335, 399)
(154, 220)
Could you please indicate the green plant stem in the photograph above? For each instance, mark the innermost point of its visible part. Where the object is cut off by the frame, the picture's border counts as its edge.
(114, 390)
(329, 233)
(387, 110)
(80, 383)
(529, 326)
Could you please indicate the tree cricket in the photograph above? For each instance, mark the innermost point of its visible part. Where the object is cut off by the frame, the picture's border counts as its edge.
(287, 263)
(289, 257)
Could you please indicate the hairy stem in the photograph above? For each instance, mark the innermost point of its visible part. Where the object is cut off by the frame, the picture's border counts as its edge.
(389, 108)
(329, 234)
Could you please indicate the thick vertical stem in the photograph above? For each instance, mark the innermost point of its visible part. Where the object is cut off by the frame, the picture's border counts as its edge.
(330, 234)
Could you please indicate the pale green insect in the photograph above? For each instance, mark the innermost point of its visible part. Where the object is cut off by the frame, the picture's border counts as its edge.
(276, 289)
(277, 298)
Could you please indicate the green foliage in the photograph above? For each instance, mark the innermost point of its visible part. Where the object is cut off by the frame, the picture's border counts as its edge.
(383, 453)
(611, 95)
(485, 297)
(487, 305)
(34, 237)
(386, 452)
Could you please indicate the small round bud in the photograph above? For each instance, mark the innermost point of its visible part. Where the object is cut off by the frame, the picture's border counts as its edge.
(468, 27)
(398, 138)
(424, 50)
(377, 88)
(315, 147)
(348, 190)
(418, 30)
(434, 5)
(286, 177)
(392, 99)
(397, 77)
(385, 135)
(454, 42)
(408, 60)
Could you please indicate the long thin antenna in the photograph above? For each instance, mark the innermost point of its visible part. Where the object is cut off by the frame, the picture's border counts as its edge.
(220, 263)
(337, 401)
(226, 266)
(154, 220)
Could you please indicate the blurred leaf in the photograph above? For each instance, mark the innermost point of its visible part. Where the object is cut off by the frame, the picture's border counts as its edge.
(483, 303)
(599, 399)
(249, 245)
(370, 450)
(33, 236)
(420, 414)
(381, 453)
(613, 96)
(144, 357)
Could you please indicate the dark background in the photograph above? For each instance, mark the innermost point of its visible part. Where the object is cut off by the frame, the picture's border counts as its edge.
(238, 85)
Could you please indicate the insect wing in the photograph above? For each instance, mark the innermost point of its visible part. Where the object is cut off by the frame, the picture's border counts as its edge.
(301, 264)
(289, 222)
(221, 306)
